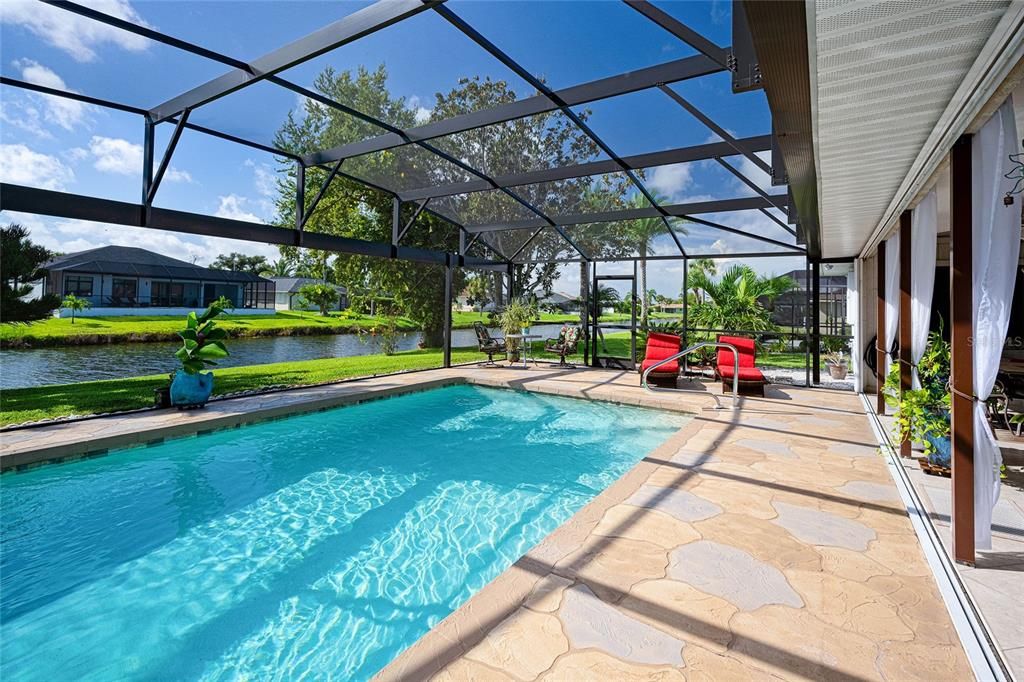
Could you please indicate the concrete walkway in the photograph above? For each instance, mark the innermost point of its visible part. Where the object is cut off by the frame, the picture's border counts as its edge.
(768, 543)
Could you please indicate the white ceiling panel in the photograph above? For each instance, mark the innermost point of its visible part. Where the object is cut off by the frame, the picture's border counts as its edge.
(886, 71)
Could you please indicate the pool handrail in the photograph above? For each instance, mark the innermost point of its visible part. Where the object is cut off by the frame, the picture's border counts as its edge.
(687, 351)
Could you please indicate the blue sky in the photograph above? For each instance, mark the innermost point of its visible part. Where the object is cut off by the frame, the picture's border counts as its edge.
(46, 142)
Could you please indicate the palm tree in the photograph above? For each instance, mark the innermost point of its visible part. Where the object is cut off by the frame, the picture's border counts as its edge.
(705, 266)
(642, 232)
(282, 267)
(736, 301)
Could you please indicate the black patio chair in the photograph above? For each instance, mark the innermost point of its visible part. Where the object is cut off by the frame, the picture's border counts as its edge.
(567, 343)
(488, 344)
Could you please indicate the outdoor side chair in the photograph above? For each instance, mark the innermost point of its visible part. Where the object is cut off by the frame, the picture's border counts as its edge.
(488, 344)
(567, 343)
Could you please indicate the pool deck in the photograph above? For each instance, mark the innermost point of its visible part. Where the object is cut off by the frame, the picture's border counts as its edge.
(767, 543)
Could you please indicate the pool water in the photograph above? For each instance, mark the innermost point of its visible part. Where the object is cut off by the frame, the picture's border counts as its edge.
(313, 547)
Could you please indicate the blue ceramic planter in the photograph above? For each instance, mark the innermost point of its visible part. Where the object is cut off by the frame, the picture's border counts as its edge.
(191, 390)
(943, 448)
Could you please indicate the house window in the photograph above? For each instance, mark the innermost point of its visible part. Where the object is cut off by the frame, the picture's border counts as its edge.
(78, 285)
(123, 291)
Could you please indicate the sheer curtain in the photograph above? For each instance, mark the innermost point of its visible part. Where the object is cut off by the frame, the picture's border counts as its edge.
(923, 233)
(996, 244)
(892, 295)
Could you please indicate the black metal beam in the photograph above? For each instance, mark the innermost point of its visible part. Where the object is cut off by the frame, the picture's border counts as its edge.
(717, 129)
(676, 210)
(681, 31)
(307, 212)
(466, 29)
(641, 79)
(747, 181)
(165, 161)
(750, 235)
(76, 96)
(701, 152)
(412, 221)
(778, 222)
(630, 259)
(80, 207)
(377, 16)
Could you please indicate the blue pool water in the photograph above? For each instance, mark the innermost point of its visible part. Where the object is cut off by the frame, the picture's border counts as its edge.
(313, 547)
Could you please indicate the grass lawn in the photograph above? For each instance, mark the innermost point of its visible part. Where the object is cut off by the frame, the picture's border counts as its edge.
(91, 397)
(95, 330)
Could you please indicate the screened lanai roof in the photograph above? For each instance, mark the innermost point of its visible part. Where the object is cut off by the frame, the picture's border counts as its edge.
(661, 148)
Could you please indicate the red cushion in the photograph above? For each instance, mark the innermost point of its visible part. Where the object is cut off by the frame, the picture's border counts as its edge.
(661, 346)
(746, 373)
(667, 368)
(745, 348)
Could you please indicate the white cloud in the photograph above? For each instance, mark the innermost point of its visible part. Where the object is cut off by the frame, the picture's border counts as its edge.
(265, 178)
(175, 175)
(66, 113)
(21, 113)
(74, 34)
(233, 206)
(23, 166)
(422, 113)
(115, 155)
(671, 180)
(76, 154)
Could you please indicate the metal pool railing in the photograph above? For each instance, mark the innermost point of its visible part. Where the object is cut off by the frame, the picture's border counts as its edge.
(687, 351)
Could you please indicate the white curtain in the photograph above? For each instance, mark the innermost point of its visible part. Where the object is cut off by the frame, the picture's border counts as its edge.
(892, 295)
(996, 245)
(923, 234)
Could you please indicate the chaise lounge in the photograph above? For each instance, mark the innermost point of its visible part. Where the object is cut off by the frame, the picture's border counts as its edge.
(751, 380)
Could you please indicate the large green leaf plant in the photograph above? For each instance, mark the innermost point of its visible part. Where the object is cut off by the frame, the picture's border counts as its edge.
(202, 342)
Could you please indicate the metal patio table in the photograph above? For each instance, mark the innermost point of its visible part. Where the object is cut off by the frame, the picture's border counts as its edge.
(527, 349)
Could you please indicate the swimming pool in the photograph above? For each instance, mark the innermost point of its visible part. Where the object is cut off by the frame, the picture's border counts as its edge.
(316, 546)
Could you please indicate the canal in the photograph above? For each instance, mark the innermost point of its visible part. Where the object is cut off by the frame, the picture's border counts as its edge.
(21, 368)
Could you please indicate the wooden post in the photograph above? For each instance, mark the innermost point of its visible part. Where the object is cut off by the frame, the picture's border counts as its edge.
(880, 349)
(906, 363)
(961, 290)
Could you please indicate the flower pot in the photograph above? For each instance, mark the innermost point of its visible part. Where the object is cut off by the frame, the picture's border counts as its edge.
(941, 455)
(191, 390)
(838, 371)
(512, 355)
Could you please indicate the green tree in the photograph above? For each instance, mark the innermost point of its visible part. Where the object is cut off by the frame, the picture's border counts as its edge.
(478, 292)
(704, 267)
(736, 301)
(75, 305)
(282, 267)
(239, 262)
(21, 264)
(324, 296)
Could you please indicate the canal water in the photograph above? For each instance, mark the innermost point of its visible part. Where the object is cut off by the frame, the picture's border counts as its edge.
(20, 368)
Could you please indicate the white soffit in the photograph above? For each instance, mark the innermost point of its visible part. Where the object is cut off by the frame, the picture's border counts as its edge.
(886, 71)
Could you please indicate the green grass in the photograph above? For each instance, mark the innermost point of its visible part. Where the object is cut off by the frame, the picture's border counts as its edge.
(92, 397)
(96, 330)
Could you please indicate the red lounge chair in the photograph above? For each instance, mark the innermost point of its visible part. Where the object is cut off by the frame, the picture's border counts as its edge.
(659, 347)
(751, 380)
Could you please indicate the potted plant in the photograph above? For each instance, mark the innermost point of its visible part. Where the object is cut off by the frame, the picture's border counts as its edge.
(837, 365)
(922, 415)
(202, 343)
(515, 319)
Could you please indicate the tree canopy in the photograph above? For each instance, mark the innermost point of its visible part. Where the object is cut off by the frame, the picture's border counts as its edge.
(737, 301)
(352, 209)
(21, 264)
(239, 262)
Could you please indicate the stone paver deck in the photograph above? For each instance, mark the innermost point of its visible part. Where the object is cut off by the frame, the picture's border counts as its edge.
(767, 543)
